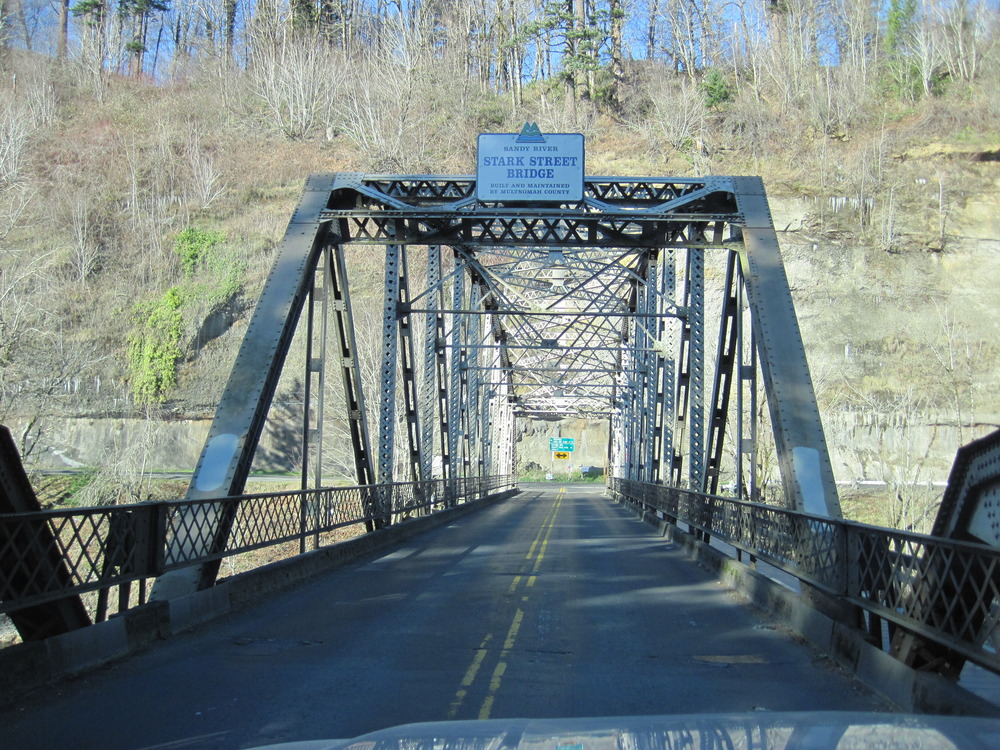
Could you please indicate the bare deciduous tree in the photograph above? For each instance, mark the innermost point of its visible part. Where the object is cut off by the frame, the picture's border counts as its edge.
(680, 116)
(955, 355)
(296, 78)
(85, 250)
(15, 128)
(381, 110)
(896, 454)
(967, 33)
(206, 184)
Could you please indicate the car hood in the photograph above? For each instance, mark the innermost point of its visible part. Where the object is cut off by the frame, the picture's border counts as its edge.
(774, 731)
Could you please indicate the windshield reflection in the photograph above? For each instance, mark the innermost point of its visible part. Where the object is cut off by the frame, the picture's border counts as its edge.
(764, 731)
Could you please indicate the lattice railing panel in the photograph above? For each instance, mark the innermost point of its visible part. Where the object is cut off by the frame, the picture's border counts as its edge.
(99, 547)
(109, 546)
(943, 590)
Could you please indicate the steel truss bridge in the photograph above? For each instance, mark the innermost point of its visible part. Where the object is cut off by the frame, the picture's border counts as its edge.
(599, 309)
(605, 309)
(660, 305)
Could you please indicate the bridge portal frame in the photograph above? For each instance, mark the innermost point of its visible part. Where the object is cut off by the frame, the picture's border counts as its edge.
(653, 381)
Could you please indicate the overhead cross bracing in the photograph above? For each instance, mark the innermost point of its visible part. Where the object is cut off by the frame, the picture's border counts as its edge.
(556, 301)
(556, 319)
(652, 304)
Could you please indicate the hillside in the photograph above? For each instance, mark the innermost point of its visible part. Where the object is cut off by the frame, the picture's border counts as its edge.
(138, 222)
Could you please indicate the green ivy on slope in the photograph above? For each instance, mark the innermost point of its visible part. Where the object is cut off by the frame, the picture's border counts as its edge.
(154, 346)
(195, 246)
(156, 343)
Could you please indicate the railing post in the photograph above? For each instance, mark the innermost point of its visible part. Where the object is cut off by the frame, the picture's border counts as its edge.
(320, 507)
(154, 541)
(303, 522)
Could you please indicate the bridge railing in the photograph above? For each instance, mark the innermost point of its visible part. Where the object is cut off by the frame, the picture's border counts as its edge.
(944, 591)
(116, 546)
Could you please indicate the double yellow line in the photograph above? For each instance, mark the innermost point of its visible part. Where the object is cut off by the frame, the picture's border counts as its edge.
(530, 567)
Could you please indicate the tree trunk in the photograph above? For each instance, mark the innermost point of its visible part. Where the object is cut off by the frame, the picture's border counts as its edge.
(23, 18)
(776, 11)
(651, 40)
(229, 8)
(516, 57)
(63, 44)
(98, 23)
(303, 21)
(581, 89)
(139, 44)
(617, 63)
(4, 10)
(381, 18)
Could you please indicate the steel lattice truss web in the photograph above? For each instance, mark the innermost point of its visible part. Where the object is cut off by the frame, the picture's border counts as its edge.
(558, 282)
(557, 332)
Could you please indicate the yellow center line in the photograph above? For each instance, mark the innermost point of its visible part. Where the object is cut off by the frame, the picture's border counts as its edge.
(545, 543)
(546, 524)
(536, 551)
(470, 676)
(515, 626)
(501, 668)
(544, 534)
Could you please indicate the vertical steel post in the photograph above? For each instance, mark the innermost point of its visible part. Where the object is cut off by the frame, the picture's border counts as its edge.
(321, 384)
(503, 433)
(511, 447)
(387, 373)
(641, 339)
(443, 409)
(428, 384)
(441, 386)
(614, 463)
(681, 401)
(623, 411)
(746, 348)
(312, 419)
(628, 409)
(725, 362)
(350, 368)
(473, 410)
(630, 365)
(740, 384)
(467, 413)
(306, 433)
(650, 379)
(667, 343)
(696, 410)
(415, 448)
(488, 415)
(638, 342)
(456, 398)
(754, 491)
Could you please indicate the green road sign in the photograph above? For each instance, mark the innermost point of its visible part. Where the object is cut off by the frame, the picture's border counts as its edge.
(562, 444)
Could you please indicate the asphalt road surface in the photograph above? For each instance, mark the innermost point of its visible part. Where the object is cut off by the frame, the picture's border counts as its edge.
(555, 603)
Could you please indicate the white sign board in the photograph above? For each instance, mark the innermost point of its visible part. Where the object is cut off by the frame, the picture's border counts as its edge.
(530, 166)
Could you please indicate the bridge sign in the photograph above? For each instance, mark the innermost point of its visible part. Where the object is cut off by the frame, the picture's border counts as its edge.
(562, 444)
(530, 166)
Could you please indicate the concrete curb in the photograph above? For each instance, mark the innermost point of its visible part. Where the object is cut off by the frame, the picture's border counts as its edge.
(27, 666)
(909, 690)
